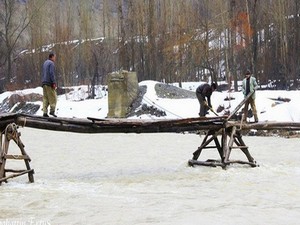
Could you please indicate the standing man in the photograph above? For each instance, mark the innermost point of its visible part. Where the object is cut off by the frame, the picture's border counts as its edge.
(49, 86)
(203, 93)
(249, 85)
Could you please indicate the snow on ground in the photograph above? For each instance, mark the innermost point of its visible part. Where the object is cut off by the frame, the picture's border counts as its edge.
(75, 104)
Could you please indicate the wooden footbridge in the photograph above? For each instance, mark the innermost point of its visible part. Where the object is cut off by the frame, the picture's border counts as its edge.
(221, 133)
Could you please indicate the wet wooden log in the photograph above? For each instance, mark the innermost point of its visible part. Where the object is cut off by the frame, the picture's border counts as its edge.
(252, 164)
(95, 125)
(266, 125)
(120, 125)
(211, 163)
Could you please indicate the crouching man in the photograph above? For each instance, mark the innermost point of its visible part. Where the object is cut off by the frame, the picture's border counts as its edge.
(203, 93)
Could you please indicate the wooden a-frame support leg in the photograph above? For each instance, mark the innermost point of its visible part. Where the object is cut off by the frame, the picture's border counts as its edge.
(206, 141)
(4, 150)
(236, 137)
(239, 142)
(224, 148)
(11, 133)
(220, 149)
(231, 140)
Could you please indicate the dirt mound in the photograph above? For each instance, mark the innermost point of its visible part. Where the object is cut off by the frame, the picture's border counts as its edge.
(172, 92)
(162, 91)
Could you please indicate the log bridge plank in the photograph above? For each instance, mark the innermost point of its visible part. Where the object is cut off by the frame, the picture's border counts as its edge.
(228, 130)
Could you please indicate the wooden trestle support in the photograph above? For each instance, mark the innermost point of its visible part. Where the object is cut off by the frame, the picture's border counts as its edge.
(11, 133)
(224, 147)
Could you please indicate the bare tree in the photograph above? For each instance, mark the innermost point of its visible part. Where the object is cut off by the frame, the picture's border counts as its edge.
(122, 36)
(14, 24)
(164, 40)
(294, 46)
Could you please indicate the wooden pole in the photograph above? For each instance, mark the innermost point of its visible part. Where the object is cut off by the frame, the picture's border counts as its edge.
(230, 143)
(220, 149)
(3, 154)
(224, 143)
(239, 106)
(244, 150)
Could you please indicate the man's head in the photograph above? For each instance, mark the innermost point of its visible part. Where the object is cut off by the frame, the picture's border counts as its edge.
(213, 86)
(52, 56)
(248, 73)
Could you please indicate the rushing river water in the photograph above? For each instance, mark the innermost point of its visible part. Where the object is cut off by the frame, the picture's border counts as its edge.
(141, 179)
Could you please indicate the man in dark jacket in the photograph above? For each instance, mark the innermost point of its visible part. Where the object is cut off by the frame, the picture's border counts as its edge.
(203, 93)
(49, 86)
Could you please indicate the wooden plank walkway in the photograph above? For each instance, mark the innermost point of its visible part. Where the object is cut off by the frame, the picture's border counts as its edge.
(94, 125)
(220, 133)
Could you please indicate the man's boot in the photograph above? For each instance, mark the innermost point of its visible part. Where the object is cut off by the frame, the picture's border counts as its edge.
(53, 114)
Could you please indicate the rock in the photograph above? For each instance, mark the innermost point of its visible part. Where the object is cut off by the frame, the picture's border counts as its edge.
(18, 103)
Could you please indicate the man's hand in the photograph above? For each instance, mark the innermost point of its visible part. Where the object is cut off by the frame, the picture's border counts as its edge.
(54, 86)
(207, 105)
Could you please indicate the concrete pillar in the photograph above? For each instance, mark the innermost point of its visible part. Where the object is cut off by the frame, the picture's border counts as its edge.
(122, 91)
